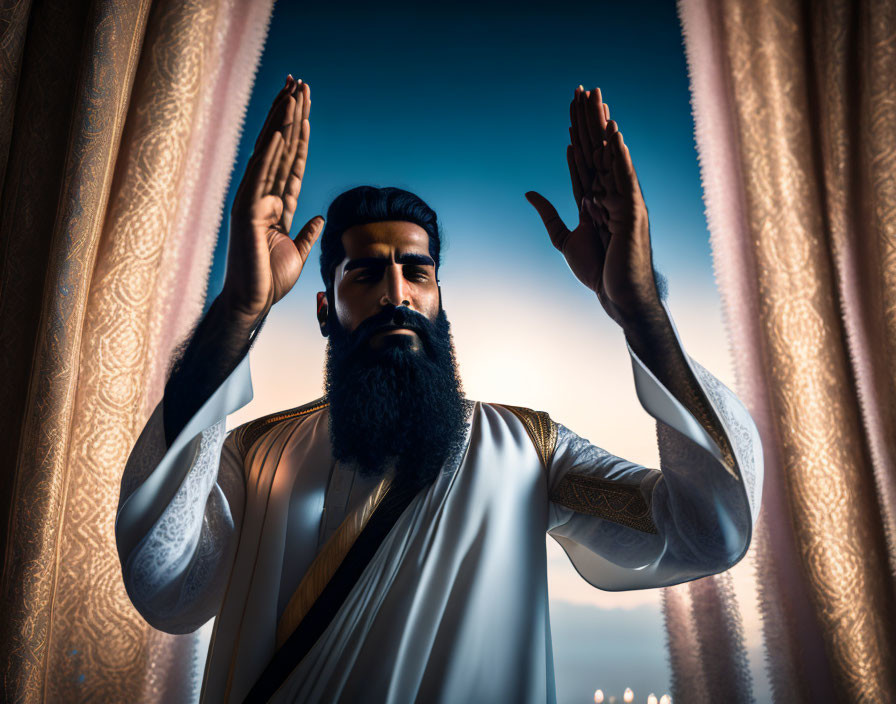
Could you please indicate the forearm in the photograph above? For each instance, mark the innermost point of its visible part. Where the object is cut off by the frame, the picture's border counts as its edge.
(652, 338)
(172, 475)
(173, 571)
(221, 339)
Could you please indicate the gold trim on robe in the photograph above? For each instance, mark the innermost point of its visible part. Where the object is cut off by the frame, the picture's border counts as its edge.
(327, 562)
(248, 434)
(611, 501)
(541, 428)
(243, 438)
(604, 499)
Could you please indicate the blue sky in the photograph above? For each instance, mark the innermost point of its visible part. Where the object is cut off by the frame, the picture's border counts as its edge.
(469, 109)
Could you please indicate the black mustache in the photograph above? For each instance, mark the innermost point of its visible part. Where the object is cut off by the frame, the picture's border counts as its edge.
(394, 404)
(392, 316)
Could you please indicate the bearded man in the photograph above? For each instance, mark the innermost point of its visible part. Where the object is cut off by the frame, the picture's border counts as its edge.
(386, 542)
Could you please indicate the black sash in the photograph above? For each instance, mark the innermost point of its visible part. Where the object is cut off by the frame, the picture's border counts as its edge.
(290, 654)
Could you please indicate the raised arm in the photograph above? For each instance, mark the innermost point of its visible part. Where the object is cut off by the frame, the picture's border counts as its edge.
(182, 493)
(263, 262)
(609, 250)
(641, 527)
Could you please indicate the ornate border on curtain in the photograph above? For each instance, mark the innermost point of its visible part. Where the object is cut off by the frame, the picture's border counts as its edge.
(789, 97)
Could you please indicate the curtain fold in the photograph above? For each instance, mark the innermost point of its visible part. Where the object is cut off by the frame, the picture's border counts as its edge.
(125, 120)
(55, 193)
(719, 634)
(795, 132)
(13, 27)
(688, 680)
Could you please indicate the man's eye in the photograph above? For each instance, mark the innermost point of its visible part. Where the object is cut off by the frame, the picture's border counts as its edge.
(418, 275)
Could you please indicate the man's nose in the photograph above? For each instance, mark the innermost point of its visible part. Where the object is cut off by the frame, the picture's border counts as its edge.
(396, 291)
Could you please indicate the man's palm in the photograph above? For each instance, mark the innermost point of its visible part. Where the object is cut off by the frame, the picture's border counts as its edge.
(609, 250)
(263, 262)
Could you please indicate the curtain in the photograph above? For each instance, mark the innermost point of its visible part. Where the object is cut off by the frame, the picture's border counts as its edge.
(119, 123)
(796, 135)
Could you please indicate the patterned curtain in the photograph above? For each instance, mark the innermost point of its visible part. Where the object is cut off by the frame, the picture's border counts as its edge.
(119, 123)
(796, 133)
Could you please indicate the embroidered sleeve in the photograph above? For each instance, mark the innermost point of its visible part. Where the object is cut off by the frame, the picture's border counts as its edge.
(625, 526)
(615, 501)
(180, 509)
(601, 501)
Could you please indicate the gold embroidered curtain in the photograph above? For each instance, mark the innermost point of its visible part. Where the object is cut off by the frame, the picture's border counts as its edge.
(119, 122)
(796, 133)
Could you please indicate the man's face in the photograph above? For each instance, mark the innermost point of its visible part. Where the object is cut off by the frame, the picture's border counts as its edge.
(391, 376)
(385, 263)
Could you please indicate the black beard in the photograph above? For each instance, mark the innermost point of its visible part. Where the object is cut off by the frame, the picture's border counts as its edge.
(396, 403)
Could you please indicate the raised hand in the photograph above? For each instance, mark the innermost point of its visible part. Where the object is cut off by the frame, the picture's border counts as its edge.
(609, 250)
(263, 262)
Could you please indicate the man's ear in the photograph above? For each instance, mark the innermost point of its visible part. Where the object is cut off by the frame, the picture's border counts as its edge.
(323, 309)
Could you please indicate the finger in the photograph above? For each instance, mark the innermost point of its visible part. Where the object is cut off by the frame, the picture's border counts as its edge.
(306, 101)
(272, 167)
(300, 156)
(622, 165)
(557, 231)
(277, 118)
(594, 115)
(296, 126)
(600, 185)
(284, 92)
(308, 235)
(626, 158)
(606, 112)
(275, 105)
(631, 176)
(583, 171)
(574, 125)
(577, 190)
(296, 176)
(604, 166)
(256, 173)
(581, 127)
(291, 143)
(575, 136)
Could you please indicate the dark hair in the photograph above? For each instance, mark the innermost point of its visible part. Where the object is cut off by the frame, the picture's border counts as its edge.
(365, 204)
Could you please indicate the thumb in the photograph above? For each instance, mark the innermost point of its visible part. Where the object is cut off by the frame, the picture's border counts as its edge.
(308, 235)
(552, 222)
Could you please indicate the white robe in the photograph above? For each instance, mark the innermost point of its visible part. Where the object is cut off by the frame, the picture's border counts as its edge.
(453, 607)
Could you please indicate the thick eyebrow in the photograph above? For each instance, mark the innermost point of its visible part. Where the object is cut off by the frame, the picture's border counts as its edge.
(408, 258)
